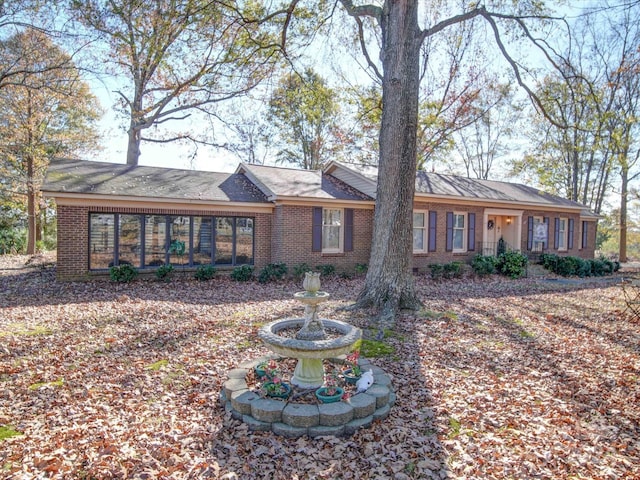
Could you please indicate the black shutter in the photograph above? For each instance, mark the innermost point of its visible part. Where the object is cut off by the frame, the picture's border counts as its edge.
(556, 233)
(585, 235)
(316, 243)
(471, 232)
(433, 220)
(348, 229)
(530, 233)
(570, 240)
(449, 231)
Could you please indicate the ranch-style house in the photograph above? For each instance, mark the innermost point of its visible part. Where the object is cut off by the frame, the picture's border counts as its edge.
(109, 214)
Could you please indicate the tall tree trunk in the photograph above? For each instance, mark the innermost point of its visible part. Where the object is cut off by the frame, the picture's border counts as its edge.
(31, 207)
(624, 193)
(389, 281)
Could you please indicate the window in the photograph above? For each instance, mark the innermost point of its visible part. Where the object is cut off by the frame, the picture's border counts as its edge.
(129, 241)
(539, 234)
(585, 234)
(459, 230)
(332, 230)
(101, 240)
(419, 232)
(562, 234)
(179, 240)
(154, 240)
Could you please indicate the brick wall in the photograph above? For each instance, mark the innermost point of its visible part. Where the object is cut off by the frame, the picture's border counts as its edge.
(73, 242)
(421, 261)
(286, 236)
(576, 251)
(292, 239)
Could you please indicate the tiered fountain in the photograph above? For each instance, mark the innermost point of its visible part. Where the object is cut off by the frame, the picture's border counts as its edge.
(311, 344)
(306, 340)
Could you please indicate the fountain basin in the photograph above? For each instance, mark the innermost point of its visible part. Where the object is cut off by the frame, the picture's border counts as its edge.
(309, 372)
(293, 347)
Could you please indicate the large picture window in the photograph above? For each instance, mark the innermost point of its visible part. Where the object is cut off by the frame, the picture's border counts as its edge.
(147, 241)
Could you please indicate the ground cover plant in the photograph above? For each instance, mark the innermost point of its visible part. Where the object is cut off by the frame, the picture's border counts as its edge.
(495, 378)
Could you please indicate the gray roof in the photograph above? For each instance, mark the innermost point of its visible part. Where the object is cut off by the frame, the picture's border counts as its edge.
(100, 178)
(290, 182)
(472, 188)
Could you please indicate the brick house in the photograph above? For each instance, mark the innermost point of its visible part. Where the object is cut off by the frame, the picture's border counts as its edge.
(110, 214)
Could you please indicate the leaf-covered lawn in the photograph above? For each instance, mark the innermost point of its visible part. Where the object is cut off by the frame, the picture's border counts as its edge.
(494, 379)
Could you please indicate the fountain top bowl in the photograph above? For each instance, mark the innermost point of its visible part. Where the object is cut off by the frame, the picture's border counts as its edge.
(293, 347)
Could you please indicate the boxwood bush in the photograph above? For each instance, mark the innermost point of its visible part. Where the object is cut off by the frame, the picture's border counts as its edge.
(205, 272)
(123, 273)
(243, 273)
(272, 271)
(484, 264)
(513, 264)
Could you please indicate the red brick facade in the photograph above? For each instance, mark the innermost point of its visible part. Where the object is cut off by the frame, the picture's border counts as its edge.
(292, 239)
(286, 236)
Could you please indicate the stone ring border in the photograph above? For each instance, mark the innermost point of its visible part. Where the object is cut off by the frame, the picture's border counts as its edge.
(294, 420)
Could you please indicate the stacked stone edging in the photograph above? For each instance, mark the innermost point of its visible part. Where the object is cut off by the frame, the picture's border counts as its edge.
(294, 420)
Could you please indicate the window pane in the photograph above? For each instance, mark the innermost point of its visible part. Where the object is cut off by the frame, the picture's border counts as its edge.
(331, 217)
(331, 229)
(129, 246)
(418, 220)
(458, 239)
(331, 238)
(224, 240)
(244, 241)
(179, 244)
(458, 221)
(155, 238)
(101, 235)
(202, 241)
(418, 239)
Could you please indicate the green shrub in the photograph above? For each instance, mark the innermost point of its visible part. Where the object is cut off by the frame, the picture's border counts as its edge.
(549, 261)
(484, 264)
(243, 273)
(164, 272)
(272, 271)
(123, 273)
(513, 264)
(361, 268)
(584, 268)
(452, 270)
(609, 267)
(326, 270)
(446, 270)
(205, 272)
(567, 266)
(300, 269)
(597, 267)
(437, 271)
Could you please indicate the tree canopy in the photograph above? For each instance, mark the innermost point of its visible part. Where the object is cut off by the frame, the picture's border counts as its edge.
(50, 112)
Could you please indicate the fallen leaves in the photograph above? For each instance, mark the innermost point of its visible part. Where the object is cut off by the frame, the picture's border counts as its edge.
(494, 379)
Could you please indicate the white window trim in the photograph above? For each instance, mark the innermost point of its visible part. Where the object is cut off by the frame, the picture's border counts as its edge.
(563, 244)
(425, 232)
(464, 233)
(340, 248)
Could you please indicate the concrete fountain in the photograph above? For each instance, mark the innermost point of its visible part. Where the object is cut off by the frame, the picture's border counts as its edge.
(310, 340)
(311, 344)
